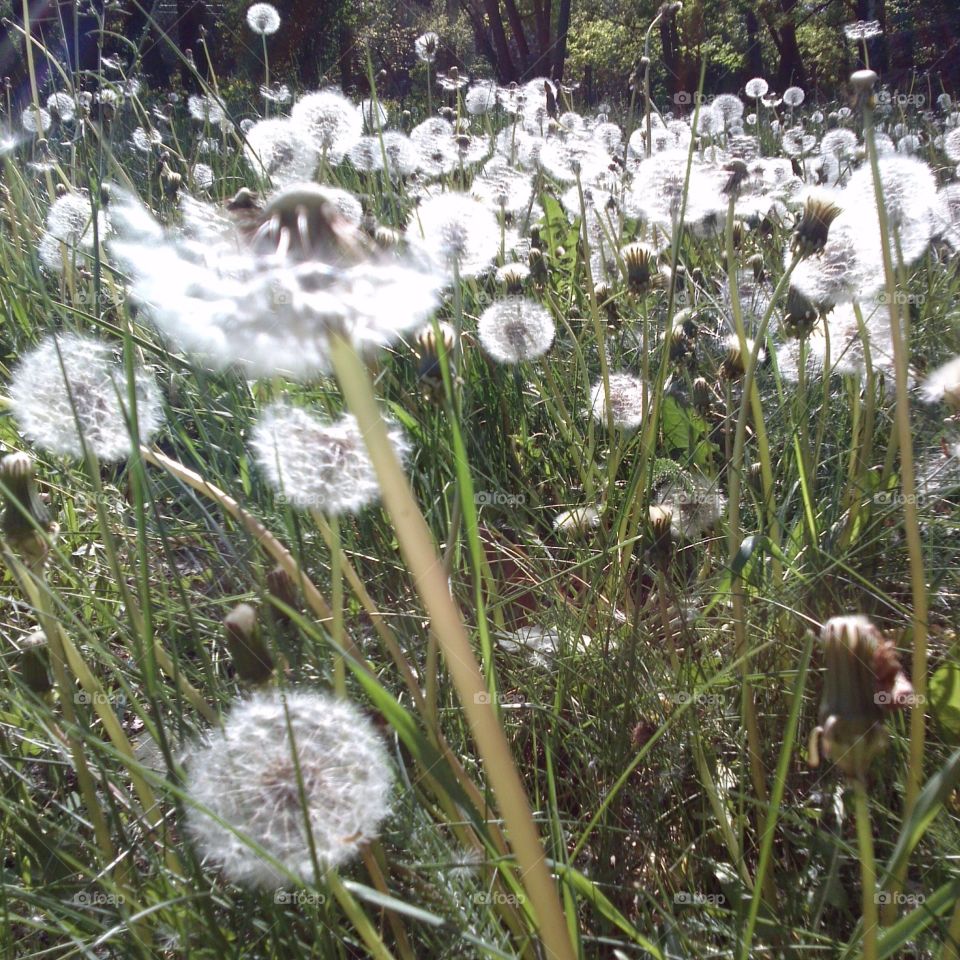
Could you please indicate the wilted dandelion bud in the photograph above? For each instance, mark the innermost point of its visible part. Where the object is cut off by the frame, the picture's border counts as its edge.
(281, 586)
(737, 174)
(862, 82)
(538, 265)
(429, 371)
(660, 519)
(26, 521)
(813, 228)
(250, 656)
(800, 314)
(740, 230)
(640, 267)
(295, 772)
(756, 265)
(512, 276)
(171, 181)
(735, 362)
(34, 658)
(851, 718)
(702, 395)
(755, 477)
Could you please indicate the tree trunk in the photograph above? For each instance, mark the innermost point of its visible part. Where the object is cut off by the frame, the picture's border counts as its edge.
(516, 28)
(560, 50)
(504, 62)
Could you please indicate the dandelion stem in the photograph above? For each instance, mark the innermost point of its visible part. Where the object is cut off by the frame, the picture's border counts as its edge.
(868, 873)
(417, 546)
(911, 521)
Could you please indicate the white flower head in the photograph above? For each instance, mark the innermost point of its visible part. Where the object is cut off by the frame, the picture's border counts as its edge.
(279, 149)
(317, 464)
(427, 46)
(263, 19)
(330, 120)
(265, 292)
(293, 772)
(625, 402)
(756, 87)
(515, 330)
(455, 231)
(71, 231)
(69, 391)
(943, 385)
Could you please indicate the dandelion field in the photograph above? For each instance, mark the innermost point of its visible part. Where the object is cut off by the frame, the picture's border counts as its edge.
(486, 527)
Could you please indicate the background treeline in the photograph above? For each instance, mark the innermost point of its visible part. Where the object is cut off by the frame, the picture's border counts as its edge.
(594, 43)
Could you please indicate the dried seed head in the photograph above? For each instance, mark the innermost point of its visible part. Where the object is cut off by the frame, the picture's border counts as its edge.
(737, 174)
(640, 266)
(813, 227)
(26, 521)
(35, 663)
(800, 315)
(249, 652)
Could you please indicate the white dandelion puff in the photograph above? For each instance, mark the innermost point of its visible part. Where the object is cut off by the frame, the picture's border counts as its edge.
(625, 406)
(279, 149)
(515, 330)
(455, 232)
(317, 464)
(70, 391)
(294, 772)
(263, 19)
(330, 120)
(266, 291)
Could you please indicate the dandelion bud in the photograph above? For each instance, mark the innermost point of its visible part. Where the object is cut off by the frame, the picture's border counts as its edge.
(800, 315)
(512, 277)
(863, 80)
(735, 362)
(35, 663)
(740, 230)
(25, 521)
(755, 477)
(756, 265)
(851, 717)
(429, 371)
(639, 263)
(448, 114)
(62, 189)
(249, 653)
(281, 586)
(814, 225)
(171, 181)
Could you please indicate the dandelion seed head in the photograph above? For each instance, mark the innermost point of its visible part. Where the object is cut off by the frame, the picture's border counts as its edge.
(427, 46)
(481, 98)
(287, 768)
(62, 106)
(263, 19)
(625, 402)
(943, 385)
(70, 387)
(757, 87)
(515, 330)
(279, 149)
(793, 96)
(454, 231)
(35, 120)
(862, 30)
(205, 109)
(330, 120)
(316, 464)
(267, 295)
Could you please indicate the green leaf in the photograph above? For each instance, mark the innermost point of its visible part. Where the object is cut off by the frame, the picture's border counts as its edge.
(944, 694)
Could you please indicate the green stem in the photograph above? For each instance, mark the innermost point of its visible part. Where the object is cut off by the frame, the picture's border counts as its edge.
(868, 870)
